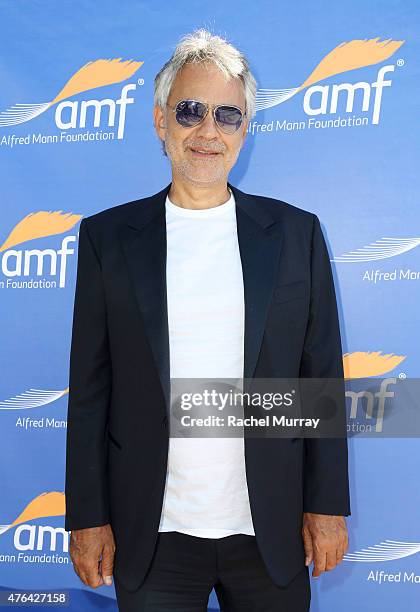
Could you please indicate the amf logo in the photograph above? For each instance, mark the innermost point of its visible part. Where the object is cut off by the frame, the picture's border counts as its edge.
(51, 544)
(28, 268)
(324, 99)
(72, 114)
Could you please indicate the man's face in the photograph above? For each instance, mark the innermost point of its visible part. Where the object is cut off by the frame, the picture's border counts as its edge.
(207, 84)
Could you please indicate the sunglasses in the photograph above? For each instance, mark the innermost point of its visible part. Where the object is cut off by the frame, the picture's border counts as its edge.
(190, 113)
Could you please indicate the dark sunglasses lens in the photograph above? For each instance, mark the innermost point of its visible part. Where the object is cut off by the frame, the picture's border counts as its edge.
(228, 118)
(189, 112)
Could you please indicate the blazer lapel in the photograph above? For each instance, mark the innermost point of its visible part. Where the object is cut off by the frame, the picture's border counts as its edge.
(259, 239)
(145, 250)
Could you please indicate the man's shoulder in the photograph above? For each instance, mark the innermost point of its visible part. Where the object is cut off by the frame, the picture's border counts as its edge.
(118, 213)
(281, 210)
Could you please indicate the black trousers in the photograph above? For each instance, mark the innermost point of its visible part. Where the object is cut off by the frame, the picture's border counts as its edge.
(185, 568)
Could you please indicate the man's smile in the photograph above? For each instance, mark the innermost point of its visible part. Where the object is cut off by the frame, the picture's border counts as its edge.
(201, 152)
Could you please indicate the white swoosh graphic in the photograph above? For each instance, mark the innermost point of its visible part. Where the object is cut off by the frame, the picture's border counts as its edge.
(19, 113)
(380, 249)
(385, 551)
(31, 399)
(266, 98)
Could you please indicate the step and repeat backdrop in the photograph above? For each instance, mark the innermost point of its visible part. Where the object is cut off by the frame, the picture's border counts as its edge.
(336, 133)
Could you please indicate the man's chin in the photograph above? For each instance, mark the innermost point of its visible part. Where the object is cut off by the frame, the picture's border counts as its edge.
(203, 179)
(200, 182)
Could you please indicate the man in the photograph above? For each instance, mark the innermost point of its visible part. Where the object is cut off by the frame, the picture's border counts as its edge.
(198, 281)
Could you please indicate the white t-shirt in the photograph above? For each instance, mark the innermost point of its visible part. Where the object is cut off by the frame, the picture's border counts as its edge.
(206, 492)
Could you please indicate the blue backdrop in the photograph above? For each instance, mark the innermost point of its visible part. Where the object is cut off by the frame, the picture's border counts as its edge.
(336, 135)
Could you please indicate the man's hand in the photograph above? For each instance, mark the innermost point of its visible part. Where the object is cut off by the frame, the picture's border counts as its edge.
(325, 540)
(86, 548)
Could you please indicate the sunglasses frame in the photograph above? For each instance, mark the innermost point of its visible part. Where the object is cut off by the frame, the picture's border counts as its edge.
(214, 107)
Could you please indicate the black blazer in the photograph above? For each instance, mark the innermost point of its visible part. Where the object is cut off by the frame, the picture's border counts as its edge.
(117, 435)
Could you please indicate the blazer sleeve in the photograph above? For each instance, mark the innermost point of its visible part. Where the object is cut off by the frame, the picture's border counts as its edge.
(89, 394)
(326, 481)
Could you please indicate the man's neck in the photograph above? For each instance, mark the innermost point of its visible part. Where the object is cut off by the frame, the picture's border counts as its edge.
(191, 196)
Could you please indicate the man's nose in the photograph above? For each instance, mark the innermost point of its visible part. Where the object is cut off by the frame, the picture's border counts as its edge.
(208, 127)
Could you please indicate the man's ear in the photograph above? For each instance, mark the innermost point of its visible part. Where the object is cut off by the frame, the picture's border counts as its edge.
(244, 130)
(159, 122)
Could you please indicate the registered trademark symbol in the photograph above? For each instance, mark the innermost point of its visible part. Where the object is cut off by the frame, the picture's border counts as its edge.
(400, 62)
(402, 375)
(140, 81)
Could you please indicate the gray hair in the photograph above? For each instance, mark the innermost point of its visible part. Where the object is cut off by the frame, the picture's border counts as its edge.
(202, 46)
